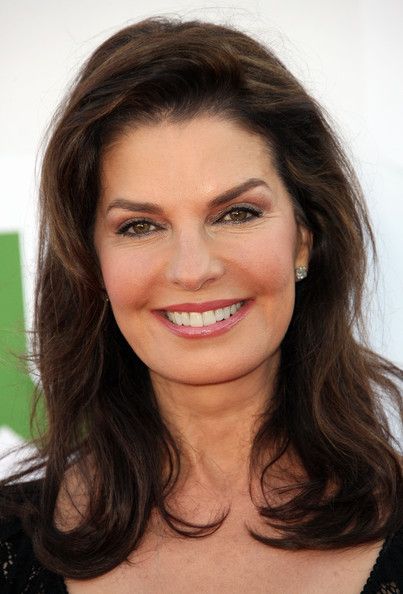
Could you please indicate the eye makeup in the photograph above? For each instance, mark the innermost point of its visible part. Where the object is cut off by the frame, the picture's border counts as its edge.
(247, 209)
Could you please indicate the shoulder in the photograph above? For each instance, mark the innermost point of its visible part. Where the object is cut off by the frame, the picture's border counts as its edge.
(392, 558)
(387, 573)
(16, 556)
(20, 570)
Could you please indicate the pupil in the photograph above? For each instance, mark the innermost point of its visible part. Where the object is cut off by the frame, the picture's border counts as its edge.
(238, 212)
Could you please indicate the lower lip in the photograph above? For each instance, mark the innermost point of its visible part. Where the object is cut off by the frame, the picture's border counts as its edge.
(206, 331)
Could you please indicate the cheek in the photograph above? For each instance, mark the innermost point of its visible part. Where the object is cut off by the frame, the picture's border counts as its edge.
(127, 277)
(262, 263)
(268, 271)
(270, 262)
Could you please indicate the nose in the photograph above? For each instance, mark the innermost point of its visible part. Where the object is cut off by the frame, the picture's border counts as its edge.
(192, 262)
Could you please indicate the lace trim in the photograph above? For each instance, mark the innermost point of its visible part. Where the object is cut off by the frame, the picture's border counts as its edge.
(386, 588)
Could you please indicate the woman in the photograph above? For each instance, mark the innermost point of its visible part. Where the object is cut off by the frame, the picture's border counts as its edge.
(214, 423)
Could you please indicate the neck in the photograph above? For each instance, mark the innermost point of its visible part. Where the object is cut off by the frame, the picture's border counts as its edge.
(214, 425)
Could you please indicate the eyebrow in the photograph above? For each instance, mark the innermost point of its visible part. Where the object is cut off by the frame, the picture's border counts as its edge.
(219, 200)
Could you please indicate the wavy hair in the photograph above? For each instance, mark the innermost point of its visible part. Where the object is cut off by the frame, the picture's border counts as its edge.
(328, 401)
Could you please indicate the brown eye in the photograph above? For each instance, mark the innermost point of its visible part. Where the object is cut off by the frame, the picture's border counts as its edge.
(137, 228)
(239, 214)
(141, 227)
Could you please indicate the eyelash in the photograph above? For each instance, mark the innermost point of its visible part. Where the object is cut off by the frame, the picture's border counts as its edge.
(124, 229)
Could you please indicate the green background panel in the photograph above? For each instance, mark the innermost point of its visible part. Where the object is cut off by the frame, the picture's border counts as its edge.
(16, 387)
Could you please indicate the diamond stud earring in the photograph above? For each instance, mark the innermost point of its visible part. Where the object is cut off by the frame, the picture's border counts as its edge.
(301, 272)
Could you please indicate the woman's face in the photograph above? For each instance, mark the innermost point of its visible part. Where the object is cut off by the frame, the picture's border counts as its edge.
(186, 249)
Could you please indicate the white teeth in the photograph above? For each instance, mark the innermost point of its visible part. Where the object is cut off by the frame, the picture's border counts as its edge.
(185, 318)
(206, 318)
(196, 319)
(219, 314)
(178, 318)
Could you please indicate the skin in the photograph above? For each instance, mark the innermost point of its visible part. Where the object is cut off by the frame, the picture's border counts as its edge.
(194, 256)
(211, 390)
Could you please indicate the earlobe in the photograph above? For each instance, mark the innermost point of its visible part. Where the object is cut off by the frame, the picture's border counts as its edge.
(305, 241)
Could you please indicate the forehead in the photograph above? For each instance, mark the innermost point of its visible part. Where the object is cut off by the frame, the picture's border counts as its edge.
(195, 158)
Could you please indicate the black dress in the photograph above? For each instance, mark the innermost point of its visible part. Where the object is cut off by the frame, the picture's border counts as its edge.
(22, 573)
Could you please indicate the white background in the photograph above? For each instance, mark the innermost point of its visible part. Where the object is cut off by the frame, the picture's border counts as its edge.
(348, 53)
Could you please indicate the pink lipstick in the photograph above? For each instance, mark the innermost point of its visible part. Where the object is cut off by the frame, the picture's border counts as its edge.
(204, 331)
(200, 307)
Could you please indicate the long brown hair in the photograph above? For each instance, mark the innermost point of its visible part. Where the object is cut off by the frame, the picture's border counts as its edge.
(328, 403)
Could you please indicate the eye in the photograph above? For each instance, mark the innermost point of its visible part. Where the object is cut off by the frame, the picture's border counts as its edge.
(241, 213)
(140, 226)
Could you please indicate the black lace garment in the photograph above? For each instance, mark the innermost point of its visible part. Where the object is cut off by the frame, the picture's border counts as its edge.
(22, 573)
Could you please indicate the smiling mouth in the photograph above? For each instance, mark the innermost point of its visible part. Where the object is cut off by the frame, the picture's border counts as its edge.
(206, 318)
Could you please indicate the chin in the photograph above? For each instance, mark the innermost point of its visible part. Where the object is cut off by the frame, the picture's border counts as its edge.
(203, 375)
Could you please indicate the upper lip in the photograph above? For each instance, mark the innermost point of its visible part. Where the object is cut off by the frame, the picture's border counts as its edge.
(200, 307)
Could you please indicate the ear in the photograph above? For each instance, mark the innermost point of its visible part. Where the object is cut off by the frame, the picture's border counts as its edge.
(304, 246)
